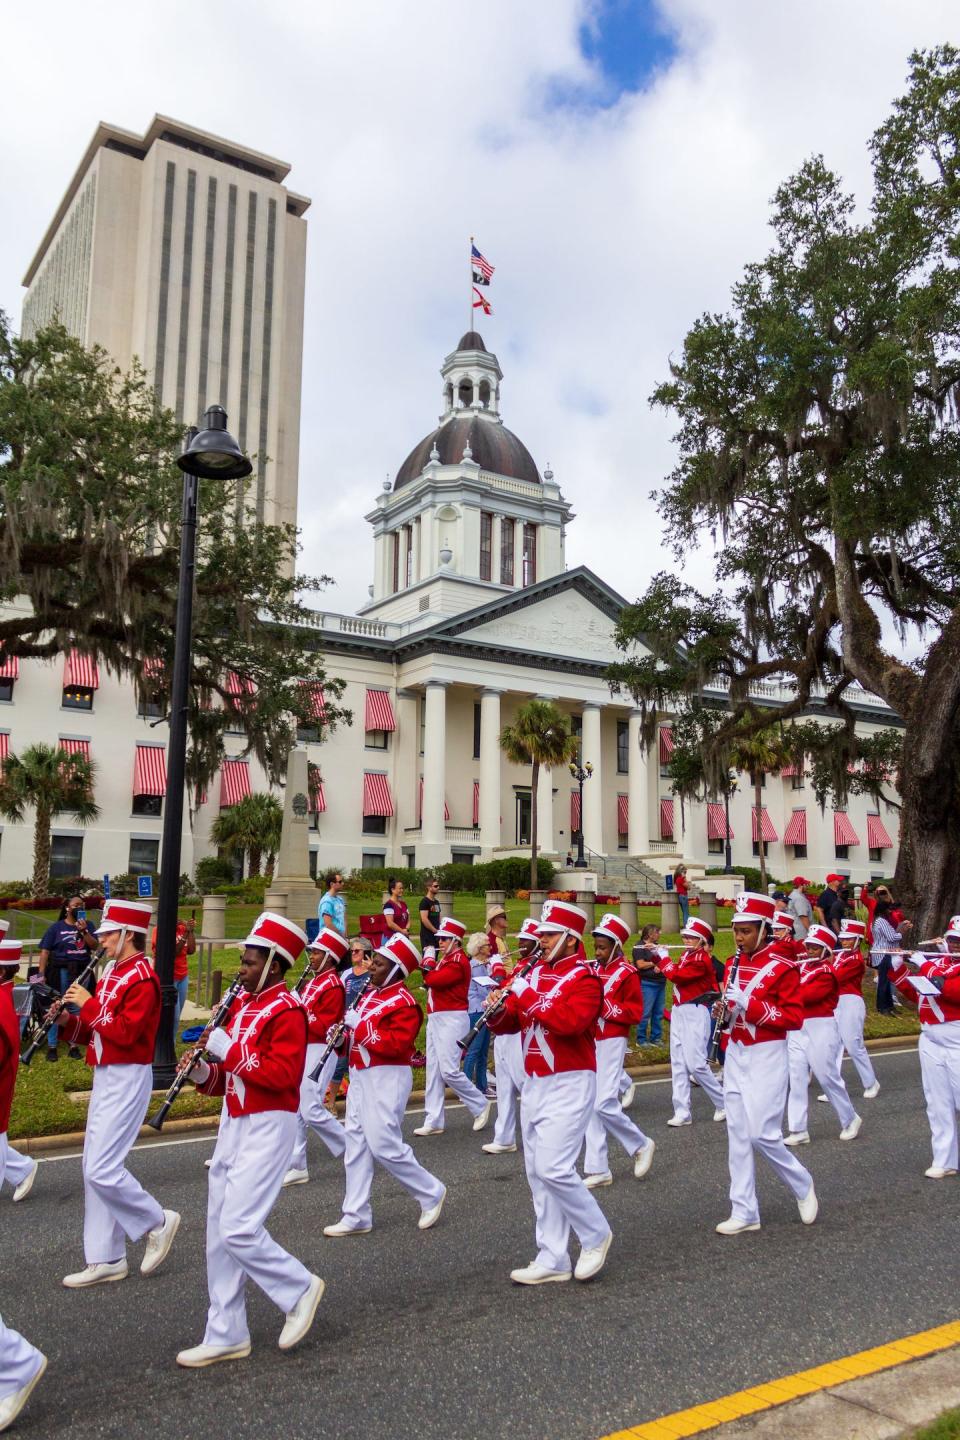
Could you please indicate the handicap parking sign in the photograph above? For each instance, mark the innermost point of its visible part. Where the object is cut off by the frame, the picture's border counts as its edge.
(145, 886)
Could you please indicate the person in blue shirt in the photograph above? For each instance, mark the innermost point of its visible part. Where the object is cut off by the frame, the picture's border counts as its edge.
(332, 910)
(63, 953)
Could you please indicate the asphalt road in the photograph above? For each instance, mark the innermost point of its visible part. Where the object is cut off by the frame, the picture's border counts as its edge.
(421, 1336)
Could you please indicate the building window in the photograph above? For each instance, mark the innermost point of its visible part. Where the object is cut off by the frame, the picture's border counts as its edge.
(147, 804)
(486, 545)
(395, 581)
(148, 708)
(462, 857)
(621, 840)
(75, 698)
(524, 809)
(372, 860)
(374, 824)
(144, 857)
(66, 856)
(408, 556)
(312, 864)
(376, 739)
(714, 847)
(796, 781)
(507, 528)
(843, 852)
(756, 847)
(760, 779)
(308, 734)
(876, 856)
(799, 852)
(529, 554)
(423, 721)
(576, 729)
(623, 746)
(6, 689)
(476, 731)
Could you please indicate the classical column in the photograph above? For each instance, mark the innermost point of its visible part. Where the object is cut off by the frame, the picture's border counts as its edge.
(545, 811)
(694, 840)
(489, 771)
(638, 838)
(433, 832)
(593, 789)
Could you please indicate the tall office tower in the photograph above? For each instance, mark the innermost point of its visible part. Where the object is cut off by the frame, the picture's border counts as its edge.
(188, 251)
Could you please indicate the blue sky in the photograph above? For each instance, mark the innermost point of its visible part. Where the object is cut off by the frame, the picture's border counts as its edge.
(628, 41)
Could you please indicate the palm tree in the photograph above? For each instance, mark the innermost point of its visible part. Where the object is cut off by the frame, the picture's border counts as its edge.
(53, 782)
(764, 752)
(540, 736)
(250, 828)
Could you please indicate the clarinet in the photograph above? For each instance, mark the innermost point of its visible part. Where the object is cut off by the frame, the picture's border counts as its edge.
(336, 1035)
(301, 984)
(725, 1029)
(189, 1062)
(497, 1005)
(57, 1009)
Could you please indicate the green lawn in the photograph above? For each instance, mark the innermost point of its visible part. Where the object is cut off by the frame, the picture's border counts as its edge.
(947, 1427)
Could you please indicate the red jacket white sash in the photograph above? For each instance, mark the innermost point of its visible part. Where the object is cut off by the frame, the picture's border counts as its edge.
(119, 1023)
(263, 1068)
(9, 1053)
(819, 989)
(932, 1010)
(772, 986)
(850, 967)
(390, 1021)
(622, 1000)
(324, 998)
(447, 983)
(556, 1011)
(692, 974)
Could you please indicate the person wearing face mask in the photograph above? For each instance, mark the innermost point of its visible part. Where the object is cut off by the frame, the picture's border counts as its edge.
(64, 950)
(447, 982)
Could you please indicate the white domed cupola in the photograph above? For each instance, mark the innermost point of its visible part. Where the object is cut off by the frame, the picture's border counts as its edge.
(471, 380)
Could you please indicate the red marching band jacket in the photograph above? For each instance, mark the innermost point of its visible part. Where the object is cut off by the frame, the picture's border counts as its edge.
(390, 1021)
(9, 1053)
(622, 1000)
(556, 1012)
(940, 1009)
(819, 989)
(263, 1068)
(119, 1023)
(774, 1007)
(324, 998)
(692, 974)
(447, 983)
(849, 967)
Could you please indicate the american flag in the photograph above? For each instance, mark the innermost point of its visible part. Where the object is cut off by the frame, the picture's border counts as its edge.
(482, 269)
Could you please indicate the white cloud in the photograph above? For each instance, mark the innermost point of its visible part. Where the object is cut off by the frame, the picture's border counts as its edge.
(413, 125)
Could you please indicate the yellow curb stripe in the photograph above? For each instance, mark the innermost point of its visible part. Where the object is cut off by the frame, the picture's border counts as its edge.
(790, 1387)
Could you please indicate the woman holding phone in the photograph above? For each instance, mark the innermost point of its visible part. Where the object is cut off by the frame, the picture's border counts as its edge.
(61, 957)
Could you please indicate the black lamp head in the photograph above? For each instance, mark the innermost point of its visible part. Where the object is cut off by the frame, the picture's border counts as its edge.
(211, 452)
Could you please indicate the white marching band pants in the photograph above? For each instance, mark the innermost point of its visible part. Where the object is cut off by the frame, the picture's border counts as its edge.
(554, 1111)
(850, 1015)
(817, 1047)
(250, 1160)
(755, 1091)
(19, 1360)
(509, 1076)
(313, 1113)
(18, 1167)
(115, 1203)
(376, 1101)
(608, 1116)
(443, 1067)
(689, 1045)
(939, 1048)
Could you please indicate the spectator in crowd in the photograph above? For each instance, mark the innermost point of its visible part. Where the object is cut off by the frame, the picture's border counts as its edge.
(185, 943)
(396, 916)
(429, 918)
(647, 955)
(800, 908)
(829, 908)
(886, 937)
(480, 952)
(353, 981)
(683, 892)
(497, 930)
(332, 910)
(62, 955)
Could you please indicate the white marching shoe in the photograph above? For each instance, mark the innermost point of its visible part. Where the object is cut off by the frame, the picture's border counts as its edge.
(809, 1207)
(601, 1177)
(493, 1147)
(719, 1115)
(21, 1193)
(12, 1404)
(851, 1131)
(628, 1095)
(295, 1177)
(643, 1160)
(536, 1274)
(101, 1274)
(483, 1119)
(199, 1356)
(822, 1100)
(301, 1317)
(159, 1242)
(872, 1091)
(342, 1228)
(592, 1260)
(429, 1218)
(430, 1130)
(733, 1226)
(797, 1137)
(678, 1120)
(937, 1172)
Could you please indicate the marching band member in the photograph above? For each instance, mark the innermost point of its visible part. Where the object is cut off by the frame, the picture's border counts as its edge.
(21, 1171)
(816, 1045)
(783, 936)
(324, 998)
(760, 1005)
(939, 1043)
(850, 968)
(556, 1009)
(118, 1023)
(447, 982)
(622, 1007)
(694, 982)
(382, 1030)
(257, 1064)
(508, 1051)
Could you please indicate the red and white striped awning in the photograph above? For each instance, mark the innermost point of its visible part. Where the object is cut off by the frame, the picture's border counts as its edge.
(316, 704)
(200, 797)
(9, 667)
(75, 747)
(878, 837)
(238, 685)
(789, 771)
(623, 814)
(80, 672)
(574, 810)
(4, 744)
(796, 831)
(476, 803)
(446, 807)
(716, 823)
(666, 744)
(843, 831)
(152, 667)
(762, 821)
(666, 819)
(150, 770)
(318, 800)
(377, 799)
(378, 712)
(234, 782)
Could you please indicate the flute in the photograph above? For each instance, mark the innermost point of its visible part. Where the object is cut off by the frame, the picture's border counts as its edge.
(190, 1061)
(335, 1034)
(57, 1009)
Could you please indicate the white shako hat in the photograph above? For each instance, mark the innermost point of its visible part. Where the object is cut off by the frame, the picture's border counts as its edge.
(856, 930)
(402, 951)
(698, 929)
(125, 915)
(450, 929)
(952, 931)
(529, 930)
(751, 908)
(613, 928)
(4, 927)
(280, 936)
(332, 943)
(11, 952)
(559, 915)
(821, 935)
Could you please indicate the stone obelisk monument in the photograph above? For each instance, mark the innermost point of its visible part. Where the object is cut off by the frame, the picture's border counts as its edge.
(293, 863)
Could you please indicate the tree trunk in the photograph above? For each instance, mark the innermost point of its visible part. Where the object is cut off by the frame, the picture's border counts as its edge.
(255, 858)
(41, 851)
(534, 786)
(758, 808)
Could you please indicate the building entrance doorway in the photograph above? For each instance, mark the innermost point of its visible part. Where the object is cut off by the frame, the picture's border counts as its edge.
(523, 817)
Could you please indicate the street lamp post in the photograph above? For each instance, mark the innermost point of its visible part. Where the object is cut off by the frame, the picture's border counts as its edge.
(580, 773)
(210, 453)
(730, 787)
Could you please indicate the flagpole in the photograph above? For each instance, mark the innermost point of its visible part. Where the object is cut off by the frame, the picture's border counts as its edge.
(470, 291)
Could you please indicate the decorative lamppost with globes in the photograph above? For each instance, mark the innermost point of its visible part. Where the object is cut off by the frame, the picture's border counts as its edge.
(580, 773)
(731, 788)
(211, 453)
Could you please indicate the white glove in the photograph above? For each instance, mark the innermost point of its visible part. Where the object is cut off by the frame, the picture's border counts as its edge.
(218, 1044)
(331, 1034)
(519, 984)
(735, 998)
(352, 1018)
(200, 1073)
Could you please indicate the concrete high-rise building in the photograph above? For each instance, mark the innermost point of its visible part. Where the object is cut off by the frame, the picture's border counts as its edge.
(188, 252)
